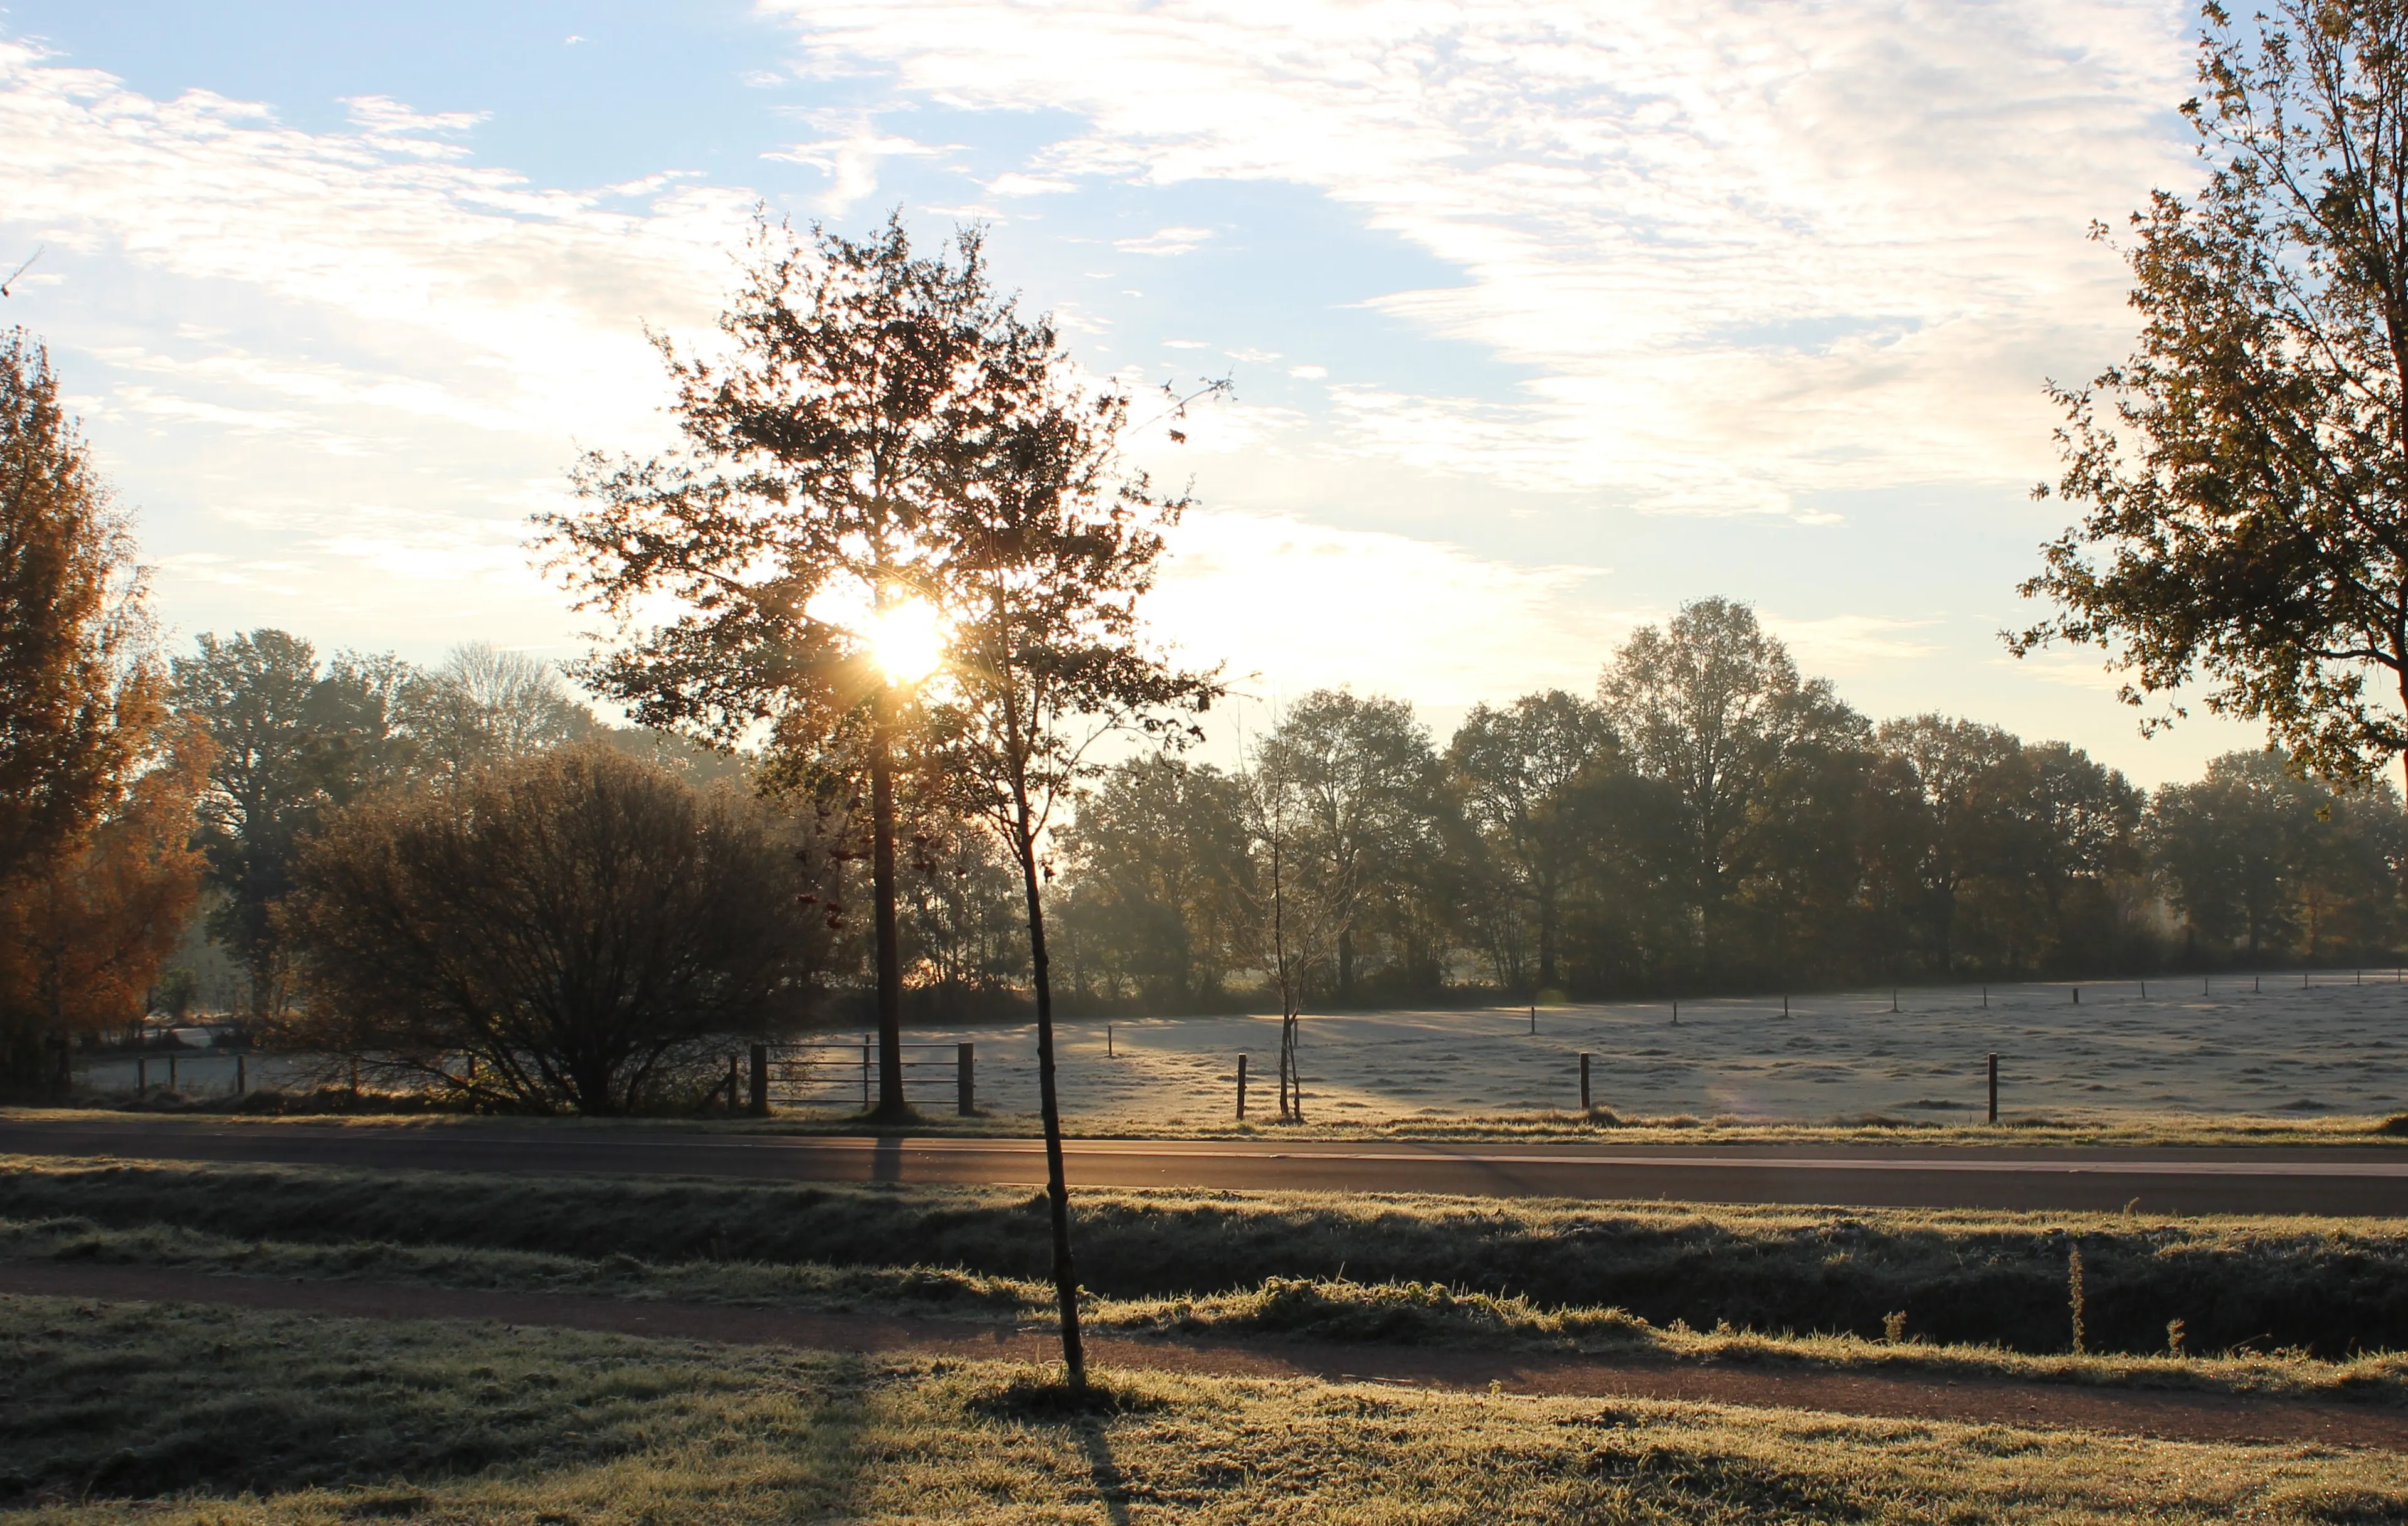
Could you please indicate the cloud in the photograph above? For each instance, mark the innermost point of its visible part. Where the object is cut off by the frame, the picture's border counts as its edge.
(1851, 640)
(1290, 606)
(1176, 240)
(851, 162)
(1840, 245)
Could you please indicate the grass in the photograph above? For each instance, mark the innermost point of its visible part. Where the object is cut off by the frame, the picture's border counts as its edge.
(2059, 1129)
(2332, 1288)
(318, 1422)
(1334, 1310)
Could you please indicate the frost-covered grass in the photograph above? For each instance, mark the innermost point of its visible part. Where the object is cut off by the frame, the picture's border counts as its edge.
(184, 1414)
(2332, 1287)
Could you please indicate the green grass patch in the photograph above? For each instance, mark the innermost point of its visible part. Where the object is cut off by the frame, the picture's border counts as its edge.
(173, 1415)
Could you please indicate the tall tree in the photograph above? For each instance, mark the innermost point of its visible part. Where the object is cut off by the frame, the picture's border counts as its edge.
(81, 706)
(79, 691)
(2244, 475)
(794, 527)
(1712, 705)
(1049, 547)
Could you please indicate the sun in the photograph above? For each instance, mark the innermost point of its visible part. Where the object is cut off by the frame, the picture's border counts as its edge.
(906, 640)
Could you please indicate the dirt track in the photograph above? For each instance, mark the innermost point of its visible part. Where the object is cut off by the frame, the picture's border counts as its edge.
(2044, 1406)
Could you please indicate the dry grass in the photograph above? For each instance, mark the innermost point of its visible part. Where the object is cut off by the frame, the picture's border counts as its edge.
(2332, 1287)
(318, 1422)
(1335, 1310)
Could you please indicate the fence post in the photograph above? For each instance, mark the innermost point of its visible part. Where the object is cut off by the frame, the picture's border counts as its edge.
(964, 1078)
(241, 1074)
(864, 1076)
(760, 1080)
(141, 1076)
(171, 1069)
(1994, 1088)
(1241, 1088)
(1585, 1107)
(731, 1085)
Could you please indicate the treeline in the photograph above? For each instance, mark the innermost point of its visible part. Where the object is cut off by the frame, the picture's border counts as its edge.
(1708, 820)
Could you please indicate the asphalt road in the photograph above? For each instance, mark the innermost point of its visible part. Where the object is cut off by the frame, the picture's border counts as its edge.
(2294, 1181)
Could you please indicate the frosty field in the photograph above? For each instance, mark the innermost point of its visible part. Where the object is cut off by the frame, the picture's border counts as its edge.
(2336, 1047)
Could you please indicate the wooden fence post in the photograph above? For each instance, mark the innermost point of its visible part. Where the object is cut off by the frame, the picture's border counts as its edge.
(141, 1076)
(171, 1069)
(864, 1076)
(1585, 1106)
(1241, 1088)
(760, 1080)
(1994, 1088)
(964, 1072)
(241, 1074)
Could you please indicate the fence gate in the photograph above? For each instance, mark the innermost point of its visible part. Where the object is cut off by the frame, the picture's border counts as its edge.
(841, 1074)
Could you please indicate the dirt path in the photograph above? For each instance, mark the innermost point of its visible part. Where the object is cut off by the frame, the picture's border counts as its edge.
(2189, 1417)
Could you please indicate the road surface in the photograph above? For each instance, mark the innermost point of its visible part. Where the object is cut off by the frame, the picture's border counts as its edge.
(2343, 1181)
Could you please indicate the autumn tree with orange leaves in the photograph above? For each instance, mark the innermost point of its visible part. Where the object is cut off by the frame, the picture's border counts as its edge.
(98, 791)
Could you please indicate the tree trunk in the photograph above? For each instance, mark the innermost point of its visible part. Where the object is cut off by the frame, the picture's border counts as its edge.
(891, 1104)
(1057, 1189)
(1346, 968)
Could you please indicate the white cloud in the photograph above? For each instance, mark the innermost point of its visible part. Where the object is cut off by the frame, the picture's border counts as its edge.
(1846, 642)
(1838, 245)
(1173, 241)
(851, 162)
(1290, 606)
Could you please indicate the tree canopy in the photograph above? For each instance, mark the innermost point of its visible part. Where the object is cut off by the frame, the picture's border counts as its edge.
(2244, 475)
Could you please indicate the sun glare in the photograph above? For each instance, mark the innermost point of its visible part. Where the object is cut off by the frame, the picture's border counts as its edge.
(907, 641)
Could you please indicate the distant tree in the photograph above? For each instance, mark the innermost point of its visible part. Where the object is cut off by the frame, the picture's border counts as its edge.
(580, 923)
(2244, 475)
(1048, 547)
(1368, 832)
(485, 704)
(1713, 706)
(1158, 859)
(2264, 863)
(795, 521)
(1967, 776)
(290, 738)
(81, 700)
(1515, 770)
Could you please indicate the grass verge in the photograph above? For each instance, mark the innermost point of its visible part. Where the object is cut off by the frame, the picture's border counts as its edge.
(2333, 1287)
(323, 1422)
(1338, 1310)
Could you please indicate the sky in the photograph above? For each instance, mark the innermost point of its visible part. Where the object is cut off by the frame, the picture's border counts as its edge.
(1540, 319)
